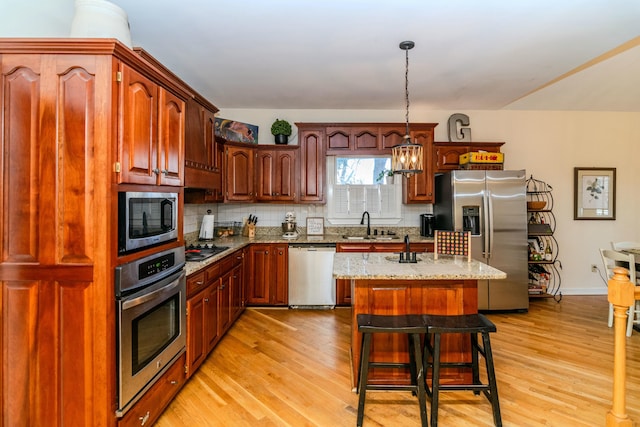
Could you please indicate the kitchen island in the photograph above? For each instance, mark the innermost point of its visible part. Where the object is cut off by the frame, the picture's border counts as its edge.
(382, 285)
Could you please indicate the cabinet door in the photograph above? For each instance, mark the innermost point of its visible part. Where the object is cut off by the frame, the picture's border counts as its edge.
(275, 175)
(138, 115)
(280, 276)
(259, 274)
(224, 303)
(211, 330)
(419, 187)
(447, 157)
(171, 119)
(237, 283)
(338, 140)
(196, 346)
(312, 166)
(239, 173)
(391, 136)
(365, 138)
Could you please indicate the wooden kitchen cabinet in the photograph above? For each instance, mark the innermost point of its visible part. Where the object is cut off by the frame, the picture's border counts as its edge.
(446, 155)
(276, 173)
(203, 153)
(152, 141)
(239, 173)
(343, 287)
(150, 406)
(202, 316)
(64, 108)
(418, 188)
(267, 281)
(363, 138)
(312, 163)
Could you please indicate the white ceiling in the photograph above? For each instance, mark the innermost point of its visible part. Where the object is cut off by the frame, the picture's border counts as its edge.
(344, 54)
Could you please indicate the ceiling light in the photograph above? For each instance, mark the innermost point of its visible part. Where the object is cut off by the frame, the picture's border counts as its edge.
(407, 157)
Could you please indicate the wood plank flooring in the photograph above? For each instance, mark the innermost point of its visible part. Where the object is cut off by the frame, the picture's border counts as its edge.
(280, 367)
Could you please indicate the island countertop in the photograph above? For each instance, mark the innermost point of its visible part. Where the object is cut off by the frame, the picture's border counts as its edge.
(386, 266)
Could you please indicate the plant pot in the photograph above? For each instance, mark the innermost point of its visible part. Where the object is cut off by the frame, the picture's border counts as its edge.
(282, 139)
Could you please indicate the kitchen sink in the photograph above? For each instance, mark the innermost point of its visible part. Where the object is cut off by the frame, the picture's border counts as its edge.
(372, 237)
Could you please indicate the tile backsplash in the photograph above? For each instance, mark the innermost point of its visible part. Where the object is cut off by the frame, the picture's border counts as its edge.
(272, 215)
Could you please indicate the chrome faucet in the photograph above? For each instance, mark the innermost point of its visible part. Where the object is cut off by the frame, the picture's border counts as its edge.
(368, 222)
(406, 244)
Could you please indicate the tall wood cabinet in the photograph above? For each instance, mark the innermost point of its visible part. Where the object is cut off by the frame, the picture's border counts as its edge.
(312, 163)
(68, 124)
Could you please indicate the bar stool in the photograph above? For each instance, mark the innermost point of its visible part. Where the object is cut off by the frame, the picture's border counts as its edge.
(471, 324)
(411, 325)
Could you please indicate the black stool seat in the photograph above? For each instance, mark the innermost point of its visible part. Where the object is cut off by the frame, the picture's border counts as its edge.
(471, 324)
(411, 325)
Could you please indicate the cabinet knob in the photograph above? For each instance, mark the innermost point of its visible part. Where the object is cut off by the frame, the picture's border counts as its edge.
(166, 172)
(206, 300)
(174, 382)
(156, 171)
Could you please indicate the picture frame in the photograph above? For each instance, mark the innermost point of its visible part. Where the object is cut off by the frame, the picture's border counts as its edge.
(315, 226)
(594, 193)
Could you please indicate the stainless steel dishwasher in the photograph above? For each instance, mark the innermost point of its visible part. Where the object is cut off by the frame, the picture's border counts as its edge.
(311, 282)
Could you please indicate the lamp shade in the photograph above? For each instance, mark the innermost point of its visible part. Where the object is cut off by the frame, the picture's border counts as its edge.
(407, 158)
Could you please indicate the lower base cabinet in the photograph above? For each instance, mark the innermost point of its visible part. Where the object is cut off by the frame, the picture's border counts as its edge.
(214, 302)
(149, 408)
(267, 274)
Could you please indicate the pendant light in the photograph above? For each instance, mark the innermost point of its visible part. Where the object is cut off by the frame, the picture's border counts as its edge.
(407, 158)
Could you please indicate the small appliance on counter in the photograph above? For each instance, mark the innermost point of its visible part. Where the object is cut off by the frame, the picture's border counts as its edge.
(289, 226)
(427, 223)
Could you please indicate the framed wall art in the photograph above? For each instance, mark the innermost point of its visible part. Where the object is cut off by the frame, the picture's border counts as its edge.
(594, 193)
(315, 226)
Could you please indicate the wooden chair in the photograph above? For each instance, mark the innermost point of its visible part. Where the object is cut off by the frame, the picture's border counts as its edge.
(612, 259)
(452, 243)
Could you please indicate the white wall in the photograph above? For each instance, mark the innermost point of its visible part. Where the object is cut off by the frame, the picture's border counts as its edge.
(547, 144)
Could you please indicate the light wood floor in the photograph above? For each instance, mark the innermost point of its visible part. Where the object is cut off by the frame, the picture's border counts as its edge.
(279, 367)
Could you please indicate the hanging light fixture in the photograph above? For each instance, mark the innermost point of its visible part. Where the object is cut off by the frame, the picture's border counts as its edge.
(407, 158)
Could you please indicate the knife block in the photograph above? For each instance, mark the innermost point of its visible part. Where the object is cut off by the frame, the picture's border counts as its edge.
(249, 231)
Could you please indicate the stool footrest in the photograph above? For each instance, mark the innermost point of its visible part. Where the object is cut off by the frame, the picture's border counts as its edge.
(470, 387)
(388, 365)
(392, 387)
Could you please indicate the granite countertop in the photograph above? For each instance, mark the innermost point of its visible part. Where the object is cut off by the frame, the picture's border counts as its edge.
(238, 242)
(386, 266)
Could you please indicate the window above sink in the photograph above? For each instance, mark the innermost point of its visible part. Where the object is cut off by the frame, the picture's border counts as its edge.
(362, 183)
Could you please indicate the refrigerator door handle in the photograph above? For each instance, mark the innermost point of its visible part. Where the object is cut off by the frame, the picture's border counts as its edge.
(485, 225)
(489, 220)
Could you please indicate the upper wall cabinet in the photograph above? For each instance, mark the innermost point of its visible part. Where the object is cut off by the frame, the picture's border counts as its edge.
(362, 138)
(318, 140)
(446, 155)
(312, 163)
(276, 173)
(239, 173)
(203, 151)
(419, 187)
(152, 138)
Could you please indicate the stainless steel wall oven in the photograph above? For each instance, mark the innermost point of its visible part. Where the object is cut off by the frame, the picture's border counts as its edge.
(150, 322)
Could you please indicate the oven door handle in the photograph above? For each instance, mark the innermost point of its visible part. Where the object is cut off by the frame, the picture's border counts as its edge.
(174, 282)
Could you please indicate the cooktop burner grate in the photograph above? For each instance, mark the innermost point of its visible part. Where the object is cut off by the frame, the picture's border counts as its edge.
(201, 252)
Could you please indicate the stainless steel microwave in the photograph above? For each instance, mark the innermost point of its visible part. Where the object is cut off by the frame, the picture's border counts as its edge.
(146, 219)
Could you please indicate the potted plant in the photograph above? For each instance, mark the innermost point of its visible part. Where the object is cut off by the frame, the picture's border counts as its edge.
(385, 177)
(281, 130)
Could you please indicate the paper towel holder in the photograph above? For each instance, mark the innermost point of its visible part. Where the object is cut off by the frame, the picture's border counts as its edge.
(207, 227)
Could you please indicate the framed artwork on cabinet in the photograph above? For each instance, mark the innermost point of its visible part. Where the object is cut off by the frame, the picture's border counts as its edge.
(594, 193)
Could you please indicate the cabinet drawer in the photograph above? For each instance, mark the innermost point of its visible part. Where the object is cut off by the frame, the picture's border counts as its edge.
(195, 283)
(212, 273)
(147, 410)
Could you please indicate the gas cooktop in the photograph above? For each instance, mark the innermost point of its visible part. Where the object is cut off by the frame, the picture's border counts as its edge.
(202, 251)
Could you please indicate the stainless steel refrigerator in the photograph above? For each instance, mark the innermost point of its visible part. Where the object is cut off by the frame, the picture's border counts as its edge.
(492, 205)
